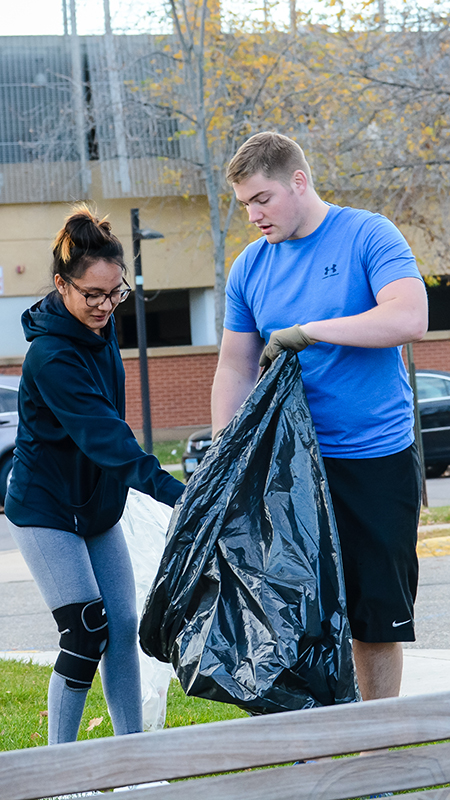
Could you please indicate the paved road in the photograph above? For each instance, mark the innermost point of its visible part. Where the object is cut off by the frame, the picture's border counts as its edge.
(6, 540)
(433, 604)
(438, 495)
(27, 625)
(438, 490)
(25, 621)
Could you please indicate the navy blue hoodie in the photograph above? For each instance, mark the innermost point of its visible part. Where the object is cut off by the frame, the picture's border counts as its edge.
(75, 455)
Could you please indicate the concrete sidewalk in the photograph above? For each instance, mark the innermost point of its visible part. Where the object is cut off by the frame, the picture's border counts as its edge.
(424, 671)
(438, 491)
(13, 568)
(27, 629)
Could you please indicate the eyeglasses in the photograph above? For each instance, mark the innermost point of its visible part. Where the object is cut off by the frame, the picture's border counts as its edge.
(92, 300)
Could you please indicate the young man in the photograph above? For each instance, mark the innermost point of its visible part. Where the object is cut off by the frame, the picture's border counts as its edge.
(341, 287)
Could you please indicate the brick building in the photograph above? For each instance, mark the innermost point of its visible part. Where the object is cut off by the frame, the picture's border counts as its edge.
(50, 156)
(60, 142)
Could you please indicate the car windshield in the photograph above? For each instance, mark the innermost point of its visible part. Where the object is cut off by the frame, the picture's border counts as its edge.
(8, 400)
(432, 387)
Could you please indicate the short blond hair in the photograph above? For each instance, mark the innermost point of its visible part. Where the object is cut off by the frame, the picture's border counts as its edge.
(276, 156)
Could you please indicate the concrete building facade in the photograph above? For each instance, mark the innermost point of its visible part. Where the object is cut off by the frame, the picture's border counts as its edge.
(71, 129)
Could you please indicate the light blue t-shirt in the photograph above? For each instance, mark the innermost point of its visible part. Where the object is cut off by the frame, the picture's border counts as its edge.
(360, 398)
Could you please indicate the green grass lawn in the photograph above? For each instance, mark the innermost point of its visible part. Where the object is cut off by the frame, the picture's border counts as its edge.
(23, 707)
(182, 710)
(169, 452)
(177, 473)
(433, 516)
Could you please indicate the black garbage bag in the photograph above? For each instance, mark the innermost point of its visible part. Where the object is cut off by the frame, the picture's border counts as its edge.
(249, 600)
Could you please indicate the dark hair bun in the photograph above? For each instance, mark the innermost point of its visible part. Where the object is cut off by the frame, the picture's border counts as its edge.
(86, 231)
(83, 239)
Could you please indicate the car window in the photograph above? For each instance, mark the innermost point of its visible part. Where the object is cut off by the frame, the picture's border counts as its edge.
(8, 400)
(432, 386)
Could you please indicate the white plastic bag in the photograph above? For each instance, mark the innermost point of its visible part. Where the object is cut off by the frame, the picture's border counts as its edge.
(144, 523)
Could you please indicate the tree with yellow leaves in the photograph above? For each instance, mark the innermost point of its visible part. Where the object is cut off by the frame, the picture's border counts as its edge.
(364, 96)
(363, 92)
(381, 136)
(221, 86)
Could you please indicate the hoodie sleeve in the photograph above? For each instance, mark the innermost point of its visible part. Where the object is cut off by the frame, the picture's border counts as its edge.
(68, 389)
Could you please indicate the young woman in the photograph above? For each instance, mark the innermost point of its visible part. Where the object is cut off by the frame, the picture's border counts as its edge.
(74, 461)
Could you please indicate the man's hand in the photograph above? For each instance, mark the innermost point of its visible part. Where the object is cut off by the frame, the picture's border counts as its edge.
(293, 338)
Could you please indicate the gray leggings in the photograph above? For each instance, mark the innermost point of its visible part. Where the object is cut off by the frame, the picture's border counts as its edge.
(69, 569)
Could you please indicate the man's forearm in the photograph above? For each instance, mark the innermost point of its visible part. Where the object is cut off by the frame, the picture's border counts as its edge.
(370, 329)
(397, 319)
(236, 375)
(230, 390)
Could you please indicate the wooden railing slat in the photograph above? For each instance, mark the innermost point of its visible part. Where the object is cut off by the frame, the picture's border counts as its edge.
(339, 779)
(430, 794)
(224, 746)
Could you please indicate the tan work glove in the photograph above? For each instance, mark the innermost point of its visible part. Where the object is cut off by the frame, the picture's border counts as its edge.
(287, 338)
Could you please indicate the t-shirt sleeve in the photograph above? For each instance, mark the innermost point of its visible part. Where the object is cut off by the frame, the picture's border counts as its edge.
(238, 315)
(387, 255)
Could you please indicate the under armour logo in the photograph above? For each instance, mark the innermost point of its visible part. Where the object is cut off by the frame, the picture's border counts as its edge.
(329, 271)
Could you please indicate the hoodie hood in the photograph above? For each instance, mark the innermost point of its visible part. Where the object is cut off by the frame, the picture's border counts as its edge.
(50, 317)
(75, 455)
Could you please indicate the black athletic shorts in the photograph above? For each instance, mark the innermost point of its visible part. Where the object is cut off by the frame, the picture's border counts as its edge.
(377, 504)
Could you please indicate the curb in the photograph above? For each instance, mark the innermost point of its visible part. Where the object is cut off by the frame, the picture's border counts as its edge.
(44, 658)
(13, 568)
(438, 546)
(434, 526)
(424, 671)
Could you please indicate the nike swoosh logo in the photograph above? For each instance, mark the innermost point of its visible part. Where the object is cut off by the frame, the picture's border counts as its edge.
(397, 624)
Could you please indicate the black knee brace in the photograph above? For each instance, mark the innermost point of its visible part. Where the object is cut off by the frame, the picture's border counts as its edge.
(84, 636)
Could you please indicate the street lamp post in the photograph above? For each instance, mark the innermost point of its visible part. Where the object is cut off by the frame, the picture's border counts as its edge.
(137, 235)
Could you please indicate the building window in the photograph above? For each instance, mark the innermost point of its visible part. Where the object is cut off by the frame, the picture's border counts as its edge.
(439, 303)
(166, 317)
(151, 137)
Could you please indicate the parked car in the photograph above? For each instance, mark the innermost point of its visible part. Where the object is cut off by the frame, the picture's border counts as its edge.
(196, 447)
(9, 385)
(433, 395)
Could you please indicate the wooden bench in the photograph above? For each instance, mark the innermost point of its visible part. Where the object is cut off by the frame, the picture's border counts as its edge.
(246, 744)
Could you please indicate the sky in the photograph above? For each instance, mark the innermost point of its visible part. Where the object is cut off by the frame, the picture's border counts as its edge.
(45, 17)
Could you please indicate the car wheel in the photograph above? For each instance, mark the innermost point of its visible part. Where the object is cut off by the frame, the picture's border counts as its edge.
(5, 470)
(435, 470)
